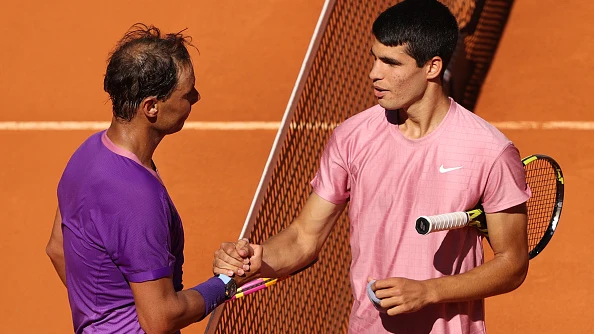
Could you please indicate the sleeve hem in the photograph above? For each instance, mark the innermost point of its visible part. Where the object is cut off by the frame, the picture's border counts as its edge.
(329, 197)
(150, 275)
(507, 205)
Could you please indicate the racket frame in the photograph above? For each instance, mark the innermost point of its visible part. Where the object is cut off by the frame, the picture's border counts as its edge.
(559, 196)
(425, 224)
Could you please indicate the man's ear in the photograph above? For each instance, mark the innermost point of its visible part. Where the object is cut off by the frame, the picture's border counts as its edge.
(150, 107)
(434, 66)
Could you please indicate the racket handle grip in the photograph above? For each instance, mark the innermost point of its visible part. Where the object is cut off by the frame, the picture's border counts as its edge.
(446, 221)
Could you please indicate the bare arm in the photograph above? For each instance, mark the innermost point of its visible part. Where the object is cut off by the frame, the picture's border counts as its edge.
(161, 309)
(300, 243)
(504, 273)
(55, 247)
(288, 251)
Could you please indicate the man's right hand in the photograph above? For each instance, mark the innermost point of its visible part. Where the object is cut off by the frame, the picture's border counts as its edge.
(240, 260)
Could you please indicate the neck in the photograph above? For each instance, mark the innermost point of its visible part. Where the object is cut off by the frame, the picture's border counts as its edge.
(422, 117)
(139, 140)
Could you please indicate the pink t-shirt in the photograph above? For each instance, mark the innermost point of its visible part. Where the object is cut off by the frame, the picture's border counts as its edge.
(390, 181)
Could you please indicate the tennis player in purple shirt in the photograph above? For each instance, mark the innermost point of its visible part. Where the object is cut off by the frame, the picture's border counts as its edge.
(117, 241)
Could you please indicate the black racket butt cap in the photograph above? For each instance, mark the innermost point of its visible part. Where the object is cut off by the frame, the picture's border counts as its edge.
(422, 225)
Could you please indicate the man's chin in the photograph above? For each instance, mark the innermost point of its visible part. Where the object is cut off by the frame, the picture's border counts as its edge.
(176, 129)
(387, 105)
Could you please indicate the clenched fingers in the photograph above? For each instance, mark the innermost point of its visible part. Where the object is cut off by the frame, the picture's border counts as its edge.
(244, 249)
(229, 261)
(401, 295)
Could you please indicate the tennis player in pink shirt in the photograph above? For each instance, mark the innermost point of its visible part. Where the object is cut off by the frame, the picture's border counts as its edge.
(416, 153)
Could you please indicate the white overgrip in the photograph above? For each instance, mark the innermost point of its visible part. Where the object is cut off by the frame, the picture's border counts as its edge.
(446, 221)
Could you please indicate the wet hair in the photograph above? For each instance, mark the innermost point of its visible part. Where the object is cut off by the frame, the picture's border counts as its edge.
(144, 63)
(426, 27)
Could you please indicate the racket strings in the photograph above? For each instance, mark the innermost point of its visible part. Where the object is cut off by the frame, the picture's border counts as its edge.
(541, 176)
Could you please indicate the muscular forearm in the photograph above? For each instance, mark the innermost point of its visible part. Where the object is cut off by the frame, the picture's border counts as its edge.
(504, 273)
(299, 244)
(185, 308)
(162, 310)
(500, 275)
(287, 252)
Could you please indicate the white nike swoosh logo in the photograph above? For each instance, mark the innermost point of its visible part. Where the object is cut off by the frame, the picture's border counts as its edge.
(445, 170)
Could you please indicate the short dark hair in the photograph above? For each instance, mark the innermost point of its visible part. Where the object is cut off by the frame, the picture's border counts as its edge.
(144, 63)
(426, 27)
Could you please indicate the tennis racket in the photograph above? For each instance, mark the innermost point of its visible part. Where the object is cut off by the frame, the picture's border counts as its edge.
(262, 283)
(545, 179)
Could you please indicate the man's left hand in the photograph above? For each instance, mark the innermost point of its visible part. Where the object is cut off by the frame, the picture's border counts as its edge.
(401, 295)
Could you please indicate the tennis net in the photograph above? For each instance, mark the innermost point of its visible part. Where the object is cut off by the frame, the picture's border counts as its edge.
(333, 85)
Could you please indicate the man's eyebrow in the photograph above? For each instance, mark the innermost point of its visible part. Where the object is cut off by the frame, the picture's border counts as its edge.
(386, 60)
(391, 61)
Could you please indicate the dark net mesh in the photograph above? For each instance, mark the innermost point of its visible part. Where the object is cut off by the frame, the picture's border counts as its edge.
(336, 86)
(480, 33)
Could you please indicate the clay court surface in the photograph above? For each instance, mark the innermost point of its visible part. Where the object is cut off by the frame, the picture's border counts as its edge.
(52, 68)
